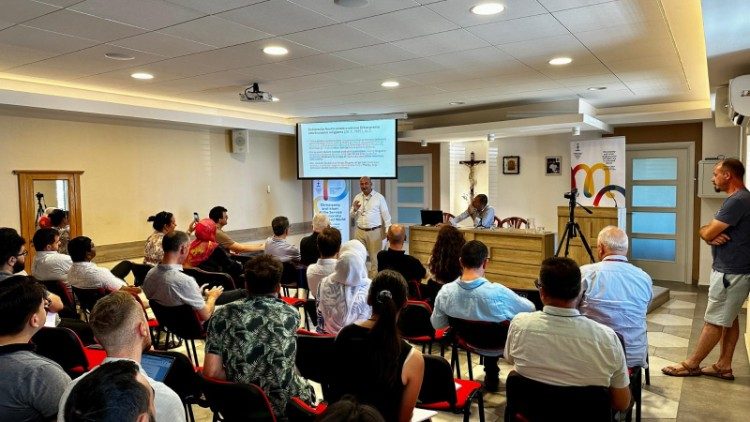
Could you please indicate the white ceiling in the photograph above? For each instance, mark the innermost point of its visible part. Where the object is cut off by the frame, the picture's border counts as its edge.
(206, 52)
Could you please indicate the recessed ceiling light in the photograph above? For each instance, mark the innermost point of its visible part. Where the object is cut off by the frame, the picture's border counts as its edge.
(454, 103)
(118, 56)
(597, 88)
(558, 61)
(351, 3)
(485, 9)
(275, 50)
(275, 99)
(389, 84)
(142, 75)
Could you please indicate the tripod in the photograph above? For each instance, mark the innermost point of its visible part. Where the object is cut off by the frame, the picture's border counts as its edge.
(40, 207)
(572, 229)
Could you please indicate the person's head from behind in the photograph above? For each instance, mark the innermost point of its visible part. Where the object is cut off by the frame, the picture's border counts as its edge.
(175, 246)
(263, 275)
(444, 262)
(46, 239)
(81, 249)
(118, 323)
(396, 235)
(354, 247)
(280, 226)
(219, 215)
(114, 392)
(320, 221)
(163, 221)
(348, 409)
(479, 202)
(726, 172)
(22, 306)
(58, 218)
(611, 241)
(474, 255)
(329, 242)
(350, 269)
(559, 282)
(387, 295)
(12, 250)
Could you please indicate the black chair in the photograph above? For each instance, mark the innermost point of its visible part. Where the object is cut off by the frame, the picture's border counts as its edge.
(63, 346)
(212, 279)
(139, 272)
(294, 276)
(63, 290)
(87, 298)
(590, 403)
(182, 322)
(440, 391)
(478, 337)
(184, 381)
(234, 402)
(311, 313)
(315, 359)
(414, 291)
(416, 328)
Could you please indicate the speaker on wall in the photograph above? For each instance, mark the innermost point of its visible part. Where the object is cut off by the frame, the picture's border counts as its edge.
(240, 141)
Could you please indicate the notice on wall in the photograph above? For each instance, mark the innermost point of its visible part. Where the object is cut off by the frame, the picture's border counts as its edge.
(331, 197)
(598, 171)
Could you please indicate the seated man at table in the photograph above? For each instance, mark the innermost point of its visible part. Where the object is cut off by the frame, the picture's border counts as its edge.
(219, 215)
(482, 215)
(277, 245)
(475, 298)
(395, 257)
(558, 346)
(84, 274)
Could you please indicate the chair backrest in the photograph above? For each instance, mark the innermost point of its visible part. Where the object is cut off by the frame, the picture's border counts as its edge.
(480, 335)
(181, 376)
(311, 309)
(139, 272)
(212, 279)
(292, 274)
(530, 400)
(59, 288)
(179, 320)
(513, 222)
(447, 217)
(437, 383)
(414, 320)
(315, 359)
(236, 402)
(87, 298)
(63, 346)
(414, 290)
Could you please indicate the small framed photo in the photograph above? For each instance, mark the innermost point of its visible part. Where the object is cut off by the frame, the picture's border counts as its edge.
(553, 166)
(511, 164)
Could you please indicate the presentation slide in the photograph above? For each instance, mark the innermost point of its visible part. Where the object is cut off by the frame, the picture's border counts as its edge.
(344, 150)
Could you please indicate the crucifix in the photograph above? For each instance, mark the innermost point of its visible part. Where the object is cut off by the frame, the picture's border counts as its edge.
(471, 164)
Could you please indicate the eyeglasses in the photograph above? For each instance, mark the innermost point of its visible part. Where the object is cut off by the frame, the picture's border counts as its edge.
(24, 253)
(538, 284)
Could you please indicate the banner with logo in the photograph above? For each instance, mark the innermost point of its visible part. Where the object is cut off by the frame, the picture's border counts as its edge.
(331, 197)
(598, 171)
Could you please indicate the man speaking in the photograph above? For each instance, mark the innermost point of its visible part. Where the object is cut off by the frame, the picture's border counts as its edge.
(371, 216)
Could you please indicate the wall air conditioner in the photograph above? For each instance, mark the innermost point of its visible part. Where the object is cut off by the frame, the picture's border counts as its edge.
(739, 100)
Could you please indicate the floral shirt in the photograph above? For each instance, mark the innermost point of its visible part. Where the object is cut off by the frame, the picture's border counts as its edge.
(153, 252)
(257, 343)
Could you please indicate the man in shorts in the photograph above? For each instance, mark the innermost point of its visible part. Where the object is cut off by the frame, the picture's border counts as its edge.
(729, 236)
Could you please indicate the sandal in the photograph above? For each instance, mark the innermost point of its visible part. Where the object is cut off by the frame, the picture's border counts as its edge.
(685, 371)
(714, 371)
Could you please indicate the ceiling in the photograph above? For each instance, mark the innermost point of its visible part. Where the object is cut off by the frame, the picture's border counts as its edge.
(203, 53)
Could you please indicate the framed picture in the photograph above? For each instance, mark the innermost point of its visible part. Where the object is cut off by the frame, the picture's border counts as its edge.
(553, 165)
(511, 164)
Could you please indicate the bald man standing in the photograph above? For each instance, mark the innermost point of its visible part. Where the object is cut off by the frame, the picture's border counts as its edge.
(395, 257)
(370, 214)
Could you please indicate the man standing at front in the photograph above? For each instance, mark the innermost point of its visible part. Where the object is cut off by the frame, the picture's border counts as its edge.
(729, 236)
(370, 213)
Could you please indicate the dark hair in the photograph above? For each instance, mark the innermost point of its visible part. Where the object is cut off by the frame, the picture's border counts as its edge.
(78, 247)
(20, 297)
(172, 241)
(10, 244)
(44, 237)
(279, 225)
(263, 274)
(329, 241)
(388, 293)
(473, 254)
(733, 166)
(348, 409)
(109, 393)
(217, 213)
(57, 216)
(482, 199)
(560, 278)
(444, 264)
(160, 220)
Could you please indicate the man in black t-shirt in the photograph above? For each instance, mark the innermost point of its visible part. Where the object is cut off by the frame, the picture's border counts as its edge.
(395, 257)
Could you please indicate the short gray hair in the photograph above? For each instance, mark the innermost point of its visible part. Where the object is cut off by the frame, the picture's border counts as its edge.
(613, 239)
(320, 221)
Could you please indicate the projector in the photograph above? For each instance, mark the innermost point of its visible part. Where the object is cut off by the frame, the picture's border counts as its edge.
(253, 94)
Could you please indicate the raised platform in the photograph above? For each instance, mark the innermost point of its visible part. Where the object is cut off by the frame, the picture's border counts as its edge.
(661, 296)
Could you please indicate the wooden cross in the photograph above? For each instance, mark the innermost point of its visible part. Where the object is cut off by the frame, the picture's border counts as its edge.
(471, 164)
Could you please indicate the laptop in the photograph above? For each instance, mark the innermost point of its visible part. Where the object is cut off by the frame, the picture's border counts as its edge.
(156, 366)
(431, 217)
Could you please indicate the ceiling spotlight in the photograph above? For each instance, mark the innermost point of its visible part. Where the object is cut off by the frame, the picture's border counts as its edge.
(142, 76)
(389, 84)
(576, 131)
(485, 9)
(597, 88)
(558, 61)
(351, 3)
(118, 56)
(423, 143)
(275, 50)
(456, 103)
(490, 137)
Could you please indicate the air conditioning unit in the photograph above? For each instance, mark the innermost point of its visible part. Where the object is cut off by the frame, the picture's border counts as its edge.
(739, 100)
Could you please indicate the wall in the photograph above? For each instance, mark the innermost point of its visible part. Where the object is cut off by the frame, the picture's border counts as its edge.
(133, 169)
(411, 148)
(460, 187)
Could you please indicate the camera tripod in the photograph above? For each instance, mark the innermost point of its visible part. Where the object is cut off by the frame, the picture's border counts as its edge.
(572, 229)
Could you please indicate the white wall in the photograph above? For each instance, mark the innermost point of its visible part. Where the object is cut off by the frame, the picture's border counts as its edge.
(460, 186)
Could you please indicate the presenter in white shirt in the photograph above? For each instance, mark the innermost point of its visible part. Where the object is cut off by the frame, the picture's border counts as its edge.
(371, 217)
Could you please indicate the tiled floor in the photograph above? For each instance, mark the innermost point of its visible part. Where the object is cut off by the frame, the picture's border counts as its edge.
(673, 330)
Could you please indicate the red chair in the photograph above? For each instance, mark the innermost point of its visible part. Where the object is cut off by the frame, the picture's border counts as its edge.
(183, 322)
(234, 402)
(512, 222)
(480, 337)
(440, 391)
(63, 346)
(299, 411)
(416, 328)
(63, 290)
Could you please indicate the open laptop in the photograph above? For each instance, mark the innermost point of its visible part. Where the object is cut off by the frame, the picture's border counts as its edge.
(431, 217)
(156, 366)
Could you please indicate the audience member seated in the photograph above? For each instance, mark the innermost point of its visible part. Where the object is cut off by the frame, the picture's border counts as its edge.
(374, 364)
(328, 243)
(395, 257)
(163, 223)
(475, 298)
(557, 346)
(84, 274)
(482, 215)
(30, 385)
(253, 341)
(48, 263)
(117, 391)
(616, 293)
(308, 246)
(444, 262)
(121, 327)
(219, 216)
(167, 285)
(59, 220)
(342, 296)
(348, 409)
(277, 245)
(205, 254)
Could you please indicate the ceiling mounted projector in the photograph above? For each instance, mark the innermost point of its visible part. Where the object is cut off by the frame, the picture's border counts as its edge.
(253, 94)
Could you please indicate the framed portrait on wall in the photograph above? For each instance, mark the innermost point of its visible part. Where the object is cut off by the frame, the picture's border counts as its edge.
(511, 164)
(553, 165)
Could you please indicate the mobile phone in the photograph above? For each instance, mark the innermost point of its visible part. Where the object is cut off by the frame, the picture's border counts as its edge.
(196, 217)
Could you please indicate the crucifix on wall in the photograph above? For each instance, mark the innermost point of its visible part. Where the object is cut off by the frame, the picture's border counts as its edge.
(471, 164)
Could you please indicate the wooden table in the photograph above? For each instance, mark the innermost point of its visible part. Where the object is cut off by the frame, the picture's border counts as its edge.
(515, 254)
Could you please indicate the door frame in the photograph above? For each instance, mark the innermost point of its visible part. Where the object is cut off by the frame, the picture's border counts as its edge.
(391, 192)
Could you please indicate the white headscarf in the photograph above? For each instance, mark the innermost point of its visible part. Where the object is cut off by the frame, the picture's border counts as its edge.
(354, 247)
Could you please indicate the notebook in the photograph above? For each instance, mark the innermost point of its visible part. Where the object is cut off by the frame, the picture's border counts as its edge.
(431, 217)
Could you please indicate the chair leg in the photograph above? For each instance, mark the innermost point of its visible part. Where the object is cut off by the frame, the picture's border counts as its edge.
(470, 364)
(648, 372)
(455, 362)
(189, 412)
(195, 353)
(480, 406)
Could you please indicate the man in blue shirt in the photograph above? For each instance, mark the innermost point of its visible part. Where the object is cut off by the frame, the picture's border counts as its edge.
(475, 298)
(482, 215)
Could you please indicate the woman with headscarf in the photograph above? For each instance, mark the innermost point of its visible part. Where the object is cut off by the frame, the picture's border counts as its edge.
(205, 253)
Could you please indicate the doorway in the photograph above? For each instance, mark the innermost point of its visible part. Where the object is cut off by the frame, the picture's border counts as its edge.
(412, 191)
